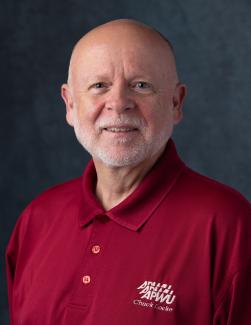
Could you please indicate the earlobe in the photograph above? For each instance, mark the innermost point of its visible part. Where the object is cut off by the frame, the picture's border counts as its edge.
(67, 97)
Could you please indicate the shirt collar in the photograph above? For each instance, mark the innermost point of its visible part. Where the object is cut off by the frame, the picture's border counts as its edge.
(138, 207)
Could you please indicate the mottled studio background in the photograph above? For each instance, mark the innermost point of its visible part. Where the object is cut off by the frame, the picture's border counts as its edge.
(213, 46)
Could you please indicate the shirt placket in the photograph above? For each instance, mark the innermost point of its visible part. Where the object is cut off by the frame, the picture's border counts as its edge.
(93, 261)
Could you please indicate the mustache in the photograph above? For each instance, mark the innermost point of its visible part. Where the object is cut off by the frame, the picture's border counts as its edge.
(136, 123)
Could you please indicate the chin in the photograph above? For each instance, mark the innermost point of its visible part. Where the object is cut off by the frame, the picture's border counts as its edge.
(129, 157)
(122, 154)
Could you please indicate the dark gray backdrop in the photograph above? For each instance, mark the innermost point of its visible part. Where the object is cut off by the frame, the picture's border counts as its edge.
(213, 46)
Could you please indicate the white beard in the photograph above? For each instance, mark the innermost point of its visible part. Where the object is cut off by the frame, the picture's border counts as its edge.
(134, 152)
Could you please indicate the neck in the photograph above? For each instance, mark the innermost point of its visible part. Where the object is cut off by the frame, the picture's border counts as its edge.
(115, 184)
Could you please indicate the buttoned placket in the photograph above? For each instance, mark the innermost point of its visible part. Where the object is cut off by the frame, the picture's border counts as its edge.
(93, 260)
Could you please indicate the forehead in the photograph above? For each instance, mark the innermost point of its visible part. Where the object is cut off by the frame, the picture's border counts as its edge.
(130, 56)
(120, 46)
(117, 54)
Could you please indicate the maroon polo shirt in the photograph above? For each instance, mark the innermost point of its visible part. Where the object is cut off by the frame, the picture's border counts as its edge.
(177, 251)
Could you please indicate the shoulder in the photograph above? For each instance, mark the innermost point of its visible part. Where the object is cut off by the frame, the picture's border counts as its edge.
(223, 217)
(213, 195)
(59, 194)
(213, 205)
(46, 214)
(51, 207)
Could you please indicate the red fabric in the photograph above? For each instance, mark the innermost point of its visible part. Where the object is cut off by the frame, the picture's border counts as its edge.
(176, 251)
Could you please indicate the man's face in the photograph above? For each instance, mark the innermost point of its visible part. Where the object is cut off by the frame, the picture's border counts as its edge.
(123, 99)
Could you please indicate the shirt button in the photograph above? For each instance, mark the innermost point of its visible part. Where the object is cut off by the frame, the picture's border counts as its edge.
(96, 249)
(86, 279)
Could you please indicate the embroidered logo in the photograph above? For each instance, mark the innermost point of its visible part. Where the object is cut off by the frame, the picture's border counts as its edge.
(159, 296)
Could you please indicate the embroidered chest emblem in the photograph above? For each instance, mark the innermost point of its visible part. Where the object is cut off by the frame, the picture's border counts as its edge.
(155, 295)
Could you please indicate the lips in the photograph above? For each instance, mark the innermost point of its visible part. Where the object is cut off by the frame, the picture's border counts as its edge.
(119, 129)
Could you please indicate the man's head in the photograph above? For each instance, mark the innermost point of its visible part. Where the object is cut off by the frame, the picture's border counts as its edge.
(123, 96)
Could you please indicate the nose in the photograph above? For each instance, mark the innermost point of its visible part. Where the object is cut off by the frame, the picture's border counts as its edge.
(119, 99)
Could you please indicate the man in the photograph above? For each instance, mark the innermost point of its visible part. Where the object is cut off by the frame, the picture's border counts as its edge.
(140, 238)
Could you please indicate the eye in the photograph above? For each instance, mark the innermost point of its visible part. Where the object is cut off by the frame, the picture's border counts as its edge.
(98, 85)
(142, 85)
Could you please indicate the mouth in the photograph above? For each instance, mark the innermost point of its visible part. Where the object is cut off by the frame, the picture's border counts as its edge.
(121, 129)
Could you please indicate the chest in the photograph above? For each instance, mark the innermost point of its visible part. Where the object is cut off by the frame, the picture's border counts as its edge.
(107, 274)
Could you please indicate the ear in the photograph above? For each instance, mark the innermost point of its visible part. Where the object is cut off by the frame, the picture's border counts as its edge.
(178, 100)
(67, 97)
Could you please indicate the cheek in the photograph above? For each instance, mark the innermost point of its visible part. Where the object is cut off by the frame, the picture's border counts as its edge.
(88, 111)
(159, 121)
(159, 116)
(165, 111)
